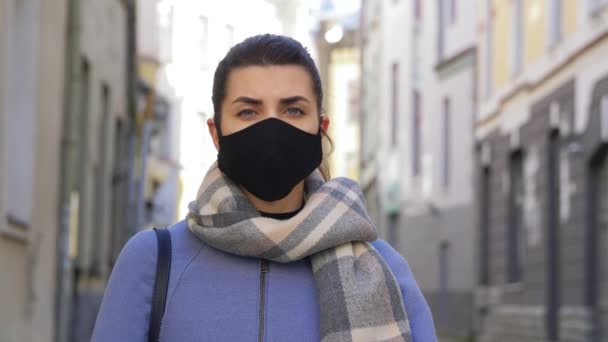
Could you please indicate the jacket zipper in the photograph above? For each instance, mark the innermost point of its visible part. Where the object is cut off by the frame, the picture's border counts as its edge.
(264, 268)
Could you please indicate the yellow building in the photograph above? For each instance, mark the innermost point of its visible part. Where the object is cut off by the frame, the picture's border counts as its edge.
(543, 100)
(523, 31)
(343, 109)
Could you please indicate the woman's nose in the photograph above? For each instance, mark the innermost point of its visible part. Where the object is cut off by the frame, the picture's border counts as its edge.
(272, 114)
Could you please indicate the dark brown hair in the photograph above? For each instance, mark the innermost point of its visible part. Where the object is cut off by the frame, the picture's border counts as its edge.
(266, 50)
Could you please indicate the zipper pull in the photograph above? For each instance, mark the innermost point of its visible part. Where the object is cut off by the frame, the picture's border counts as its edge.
(265, 266)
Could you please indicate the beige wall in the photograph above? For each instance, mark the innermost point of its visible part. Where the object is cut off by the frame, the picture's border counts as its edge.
(570, 19)
(27, 266)
(535, 31)
(505, 106)
(501, 37)
(343, 69)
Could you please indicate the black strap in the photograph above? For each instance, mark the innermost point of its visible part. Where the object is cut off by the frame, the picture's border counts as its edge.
(163, 269)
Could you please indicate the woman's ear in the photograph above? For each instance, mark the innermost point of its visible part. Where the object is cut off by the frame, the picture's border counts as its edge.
(324, 123)
(213, 133)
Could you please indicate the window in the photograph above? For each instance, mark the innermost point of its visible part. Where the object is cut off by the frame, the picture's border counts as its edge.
(485, 205)
(416, 134)
(19, 121)
(204, 42)
(118, 207)
(453, 11)
(447, 137)
(418, 10)
(553, 240)
(489, 48)
(441, 30)
(394, 103)
(517, 39)
(555, 22)
(83, 235)
(515, 246)
(101, 166)
(598, 286)
(444, 273)
(447, 17)
(449, 11)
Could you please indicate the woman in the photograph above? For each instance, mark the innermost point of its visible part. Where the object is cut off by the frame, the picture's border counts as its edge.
(271, 249)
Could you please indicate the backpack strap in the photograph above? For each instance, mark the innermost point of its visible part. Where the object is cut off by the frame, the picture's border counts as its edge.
(161, 284)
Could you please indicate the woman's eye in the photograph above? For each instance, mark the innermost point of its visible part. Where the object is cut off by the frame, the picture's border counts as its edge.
(295, 111)
(246, 113)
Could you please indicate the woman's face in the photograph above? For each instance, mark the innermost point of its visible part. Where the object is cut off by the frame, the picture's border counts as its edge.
(255, 93)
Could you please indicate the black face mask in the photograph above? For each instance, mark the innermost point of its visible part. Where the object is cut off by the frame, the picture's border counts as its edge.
(269, 158)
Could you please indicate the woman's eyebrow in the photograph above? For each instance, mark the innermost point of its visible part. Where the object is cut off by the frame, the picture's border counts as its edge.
(248, 100)
(293, 99)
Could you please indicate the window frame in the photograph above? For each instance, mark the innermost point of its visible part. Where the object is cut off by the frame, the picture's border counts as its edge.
(394, 104)
(518, 39)
(554, 23)
(516, 219)
(444, 282)
(489, 48)
(418, 10)
(485, 219)
(416, 133)
(22, 35)
(203, 43)
(446, 137)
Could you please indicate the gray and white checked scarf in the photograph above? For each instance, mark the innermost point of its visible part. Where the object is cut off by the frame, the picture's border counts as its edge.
(359, 298)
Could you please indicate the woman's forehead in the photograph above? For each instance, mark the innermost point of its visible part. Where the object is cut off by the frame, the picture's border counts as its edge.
(275, 81)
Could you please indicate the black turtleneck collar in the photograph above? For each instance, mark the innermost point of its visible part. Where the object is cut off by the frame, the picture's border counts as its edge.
(282, 216)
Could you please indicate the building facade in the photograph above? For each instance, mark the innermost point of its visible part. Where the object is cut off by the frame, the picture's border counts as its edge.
(32, 35)
(384, 149)
(65, 162)
(441, 208)
(337, 44)
(539, 164)
(96, 197)
(159, 122)
(418, 106)
(371, 107)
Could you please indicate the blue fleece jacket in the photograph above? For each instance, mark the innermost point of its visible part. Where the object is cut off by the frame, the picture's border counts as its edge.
(215, 296)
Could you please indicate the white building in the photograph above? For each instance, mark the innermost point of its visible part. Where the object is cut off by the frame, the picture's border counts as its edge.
(417, 144)
(372, 107)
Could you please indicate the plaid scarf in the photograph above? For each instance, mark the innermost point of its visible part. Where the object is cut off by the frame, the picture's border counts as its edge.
(359, 298)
